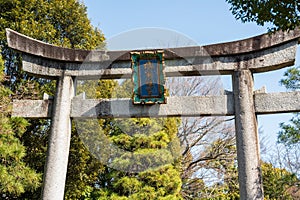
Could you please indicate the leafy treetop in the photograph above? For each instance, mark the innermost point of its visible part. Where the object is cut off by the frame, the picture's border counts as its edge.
(283, 15)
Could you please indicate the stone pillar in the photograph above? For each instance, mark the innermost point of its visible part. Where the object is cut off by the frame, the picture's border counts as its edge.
(59, 141)
(248, 152)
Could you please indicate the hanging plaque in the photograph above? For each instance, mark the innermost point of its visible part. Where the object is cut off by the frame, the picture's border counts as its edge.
(148, 77)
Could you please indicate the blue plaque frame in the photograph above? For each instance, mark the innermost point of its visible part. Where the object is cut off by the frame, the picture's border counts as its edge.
(148, 77)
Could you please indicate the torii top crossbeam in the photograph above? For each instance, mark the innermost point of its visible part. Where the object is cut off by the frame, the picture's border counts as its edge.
(259, 54)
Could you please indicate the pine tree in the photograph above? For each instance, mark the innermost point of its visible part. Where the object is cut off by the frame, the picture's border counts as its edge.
(139, 153)
(15, 175)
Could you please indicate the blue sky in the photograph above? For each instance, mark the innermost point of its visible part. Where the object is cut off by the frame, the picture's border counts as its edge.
(205, 22)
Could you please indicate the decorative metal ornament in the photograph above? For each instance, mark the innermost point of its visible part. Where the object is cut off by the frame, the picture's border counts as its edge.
(148, 77)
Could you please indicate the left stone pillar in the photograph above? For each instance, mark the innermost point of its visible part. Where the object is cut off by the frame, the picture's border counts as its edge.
(59, 141)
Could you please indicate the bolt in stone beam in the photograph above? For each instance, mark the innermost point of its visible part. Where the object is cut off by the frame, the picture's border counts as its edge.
(59, 141)
(248, 153)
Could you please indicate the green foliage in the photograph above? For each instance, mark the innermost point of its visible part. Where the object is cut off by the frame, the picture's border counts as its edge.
(277, 182)
(15, 175)
(4, 92)
(278, 14)
(291, 78)
(83, 170)
(160, 184)
(64, 23)
(290, 133)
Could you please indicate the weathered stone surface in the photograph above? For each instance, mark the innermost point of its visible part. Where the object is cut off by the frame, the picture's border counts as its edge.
(59, 141)
(176, 106)
(28, 45)
(265, 103)
(248, 151)
(259, 54)
(265, 60)
(32, 108)
(271, 103)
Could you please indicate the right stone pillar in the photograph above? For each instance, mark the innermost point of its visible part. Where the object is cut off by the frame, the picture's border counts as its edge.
(248, 152)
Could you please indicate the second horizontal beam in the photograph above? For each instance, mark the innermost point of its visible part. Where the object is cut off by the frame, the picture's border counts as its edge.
(191, 106)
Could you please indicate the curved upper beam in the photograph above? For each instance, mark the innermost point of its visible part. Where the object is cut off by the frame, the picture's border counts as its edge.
(262, 53)
(31, 46)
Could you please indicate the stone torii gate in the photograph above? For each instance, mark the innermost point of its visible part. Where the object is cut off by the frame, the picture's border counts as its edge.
(240, 59)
